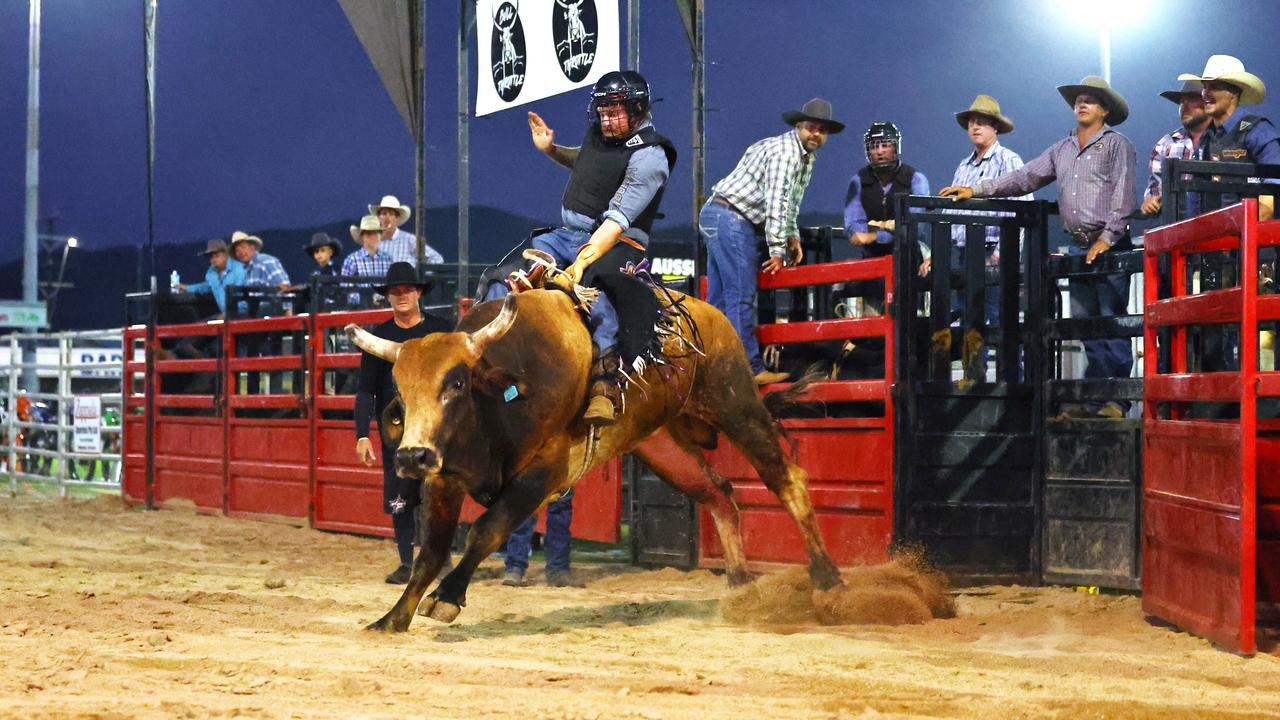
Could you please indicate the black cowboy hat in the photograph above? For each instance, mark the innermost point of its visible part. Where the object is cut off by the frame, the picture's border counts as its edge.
(816, 109)
(402, 273)
(322, 239)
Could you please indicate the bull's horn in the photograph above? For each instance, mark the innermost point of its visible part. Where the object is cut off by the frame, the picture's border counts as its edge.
(383, 348)
(497, 327)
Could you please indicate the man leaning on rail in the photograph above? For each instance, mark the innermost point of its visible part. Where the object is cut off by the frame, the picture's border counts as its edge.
(1094, 167)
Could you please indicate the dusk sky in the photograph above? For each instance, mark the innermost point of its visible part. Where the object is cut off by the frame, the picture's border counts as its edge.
(270, 115)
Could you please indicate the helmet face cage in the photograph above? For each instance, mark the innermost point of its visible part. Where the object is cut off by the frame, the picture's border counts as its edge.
(883, 132)
(627, 88)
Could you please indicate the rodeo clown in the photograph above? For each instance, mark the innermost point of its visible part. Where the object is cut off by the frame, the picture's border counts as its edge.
(615, 185)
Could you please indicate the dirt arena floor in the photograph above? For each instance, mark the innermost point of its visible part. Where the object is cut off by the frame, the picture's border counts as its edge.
(113, 613)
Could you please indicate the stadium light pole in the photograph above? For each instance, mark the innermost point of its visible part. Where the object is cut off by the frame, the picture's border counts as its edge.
(30, 238)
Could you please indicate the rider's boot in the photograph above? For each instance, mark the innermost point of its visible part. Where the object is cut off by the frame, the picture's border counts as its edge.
(605, 392)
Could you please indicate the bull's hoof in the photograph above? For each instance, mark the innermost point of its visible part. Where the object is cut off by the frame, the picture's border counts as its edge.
(439, 610)
(387, 625)
(740, 577)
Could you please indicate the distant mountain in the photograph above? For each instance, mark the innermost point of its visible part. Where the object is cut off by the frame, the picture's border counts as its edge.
(102, 277)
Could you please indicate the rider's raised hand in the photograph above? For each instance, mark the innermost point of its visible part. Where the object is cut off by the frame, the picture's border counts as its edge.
(543, 136)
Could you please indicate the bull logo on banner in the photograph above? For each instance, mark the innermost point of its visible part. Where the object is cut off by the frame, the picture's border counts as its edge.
(574, 27)
(507, 44)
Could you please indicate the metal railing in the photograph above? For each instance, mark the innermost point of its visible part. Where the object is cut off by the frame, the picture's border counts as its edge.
(42, 447)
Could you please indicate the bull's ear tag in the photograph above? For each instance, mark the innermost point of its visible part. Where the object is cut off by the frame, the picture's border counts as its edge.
(510, 393)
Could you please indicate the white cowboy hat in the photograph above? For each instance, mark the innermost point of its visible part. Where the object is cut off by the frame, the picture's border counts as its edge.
(1117, 108)
(391, 202)
(1227, 69)
(240, 236)
(368, 223)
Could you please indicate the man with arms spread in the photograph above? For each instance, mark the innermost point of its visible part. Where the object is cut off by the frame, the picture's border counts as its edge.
(1095, 168)
(615, 187)
(760, 200)
(376, 388)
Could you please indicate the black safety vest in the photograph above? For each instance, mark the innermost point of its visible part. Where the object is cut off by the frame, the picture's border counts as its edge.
(878, 205)
(1229, 146)
(600, 169)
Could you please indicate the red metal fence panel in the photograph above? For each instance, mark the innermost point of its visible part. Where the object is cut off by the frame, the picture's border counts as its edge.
(188, 428)
(1201, 481)
(849, 460)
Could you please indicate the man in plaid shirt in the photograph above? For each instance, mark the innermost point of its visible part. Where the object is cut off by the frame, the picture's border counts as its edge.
(400, 245)
(369, 261)
(1179, 144)
(260, 269)
(760, 200)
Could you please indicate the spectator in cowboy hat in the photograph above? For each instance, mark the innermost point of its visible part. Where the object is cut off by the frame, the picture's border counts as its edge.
(376, 389)
(324, 249)
(1179, 143)
(370, 260)
(260, 269)
(400, 245)
(222, 272)
(1233, 135)
(1095, 168)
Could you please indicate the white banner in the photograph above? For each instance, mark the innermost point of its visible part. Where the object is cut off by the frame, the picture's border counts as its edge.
(527, 50)
(87, 424)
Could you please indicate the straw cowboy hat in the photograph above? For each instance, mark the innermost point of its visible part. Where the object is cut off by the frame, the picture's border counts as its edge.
(322, 239)
(986, 106)
(391, 202)
(213, 246)
(240, 236)
(402, 273)
(1227, 69)
(816, 109)
(1117, 108)
(1190, 87)
(368, 223)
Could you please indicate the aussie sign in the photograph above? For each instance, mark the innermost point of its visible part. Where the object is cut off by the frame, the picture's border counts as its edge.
(527, 50)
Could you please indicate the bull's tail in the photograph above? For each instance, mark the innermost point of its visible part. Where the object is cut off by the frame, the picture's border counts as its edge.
(788, 399)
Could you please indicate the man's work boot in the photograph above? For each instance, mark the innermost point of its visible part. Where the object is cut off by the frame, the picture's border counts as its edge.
(513, 578)
(400, 576)
(604, 391)
(764, 377)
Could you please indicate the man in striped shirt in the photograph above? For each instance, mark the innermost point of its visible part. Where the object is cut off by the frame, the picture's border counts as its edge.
(1095, 168)
(402, 246)
(1180, 143)
(760, 200)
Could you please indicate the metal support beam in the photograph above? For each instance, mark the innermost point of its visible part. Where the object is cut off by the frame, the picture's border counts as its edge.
(633, 35)
(692, 14)
(466, 21)
(30, 246)
(418, 35)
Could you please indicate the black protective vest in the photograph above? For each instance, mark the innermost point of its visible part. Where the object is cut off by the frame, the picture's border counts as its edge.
(1229, 147)
(878, 205)
(600, 168)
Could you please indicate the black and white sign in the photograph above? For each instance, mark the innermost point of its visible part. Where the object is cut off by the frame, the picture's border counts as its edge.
(527, 50)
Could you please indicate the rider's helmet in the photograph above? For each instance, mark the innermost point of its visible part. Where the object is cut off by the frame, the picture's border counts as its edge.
(883, 132)
(627, 87)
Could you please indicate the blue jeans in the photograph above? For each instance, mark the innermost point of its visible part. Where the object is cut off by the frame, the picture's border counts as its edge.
(733, 259)
(563, 244)
(556, 542)
(1102, 296)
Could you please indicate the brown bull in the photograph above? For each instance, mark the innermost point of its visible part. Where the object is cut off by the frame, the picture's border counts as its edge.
(494, 411)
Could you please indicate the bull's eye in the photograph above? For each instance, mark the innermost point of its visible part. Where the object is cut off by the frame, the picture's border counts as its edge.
(457, 384)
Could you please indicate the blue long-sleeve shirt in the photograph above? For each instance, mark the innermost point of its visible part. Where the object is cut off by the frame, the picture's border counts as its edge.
(216, 283)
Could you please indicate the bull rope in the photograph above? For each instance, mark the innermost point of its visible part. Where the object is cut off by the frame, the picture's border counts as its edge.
(593, 442)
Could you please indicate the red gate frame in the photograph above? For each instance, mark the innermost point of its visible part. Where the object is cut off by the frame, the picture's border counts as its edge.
(849, 460)
(1206, 483)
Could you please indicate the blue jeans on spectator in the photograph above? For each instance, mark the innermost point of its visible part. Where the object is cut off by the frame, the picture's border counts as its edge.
(1103, 296)
(563, 244)
(556, 542)
(733, 259)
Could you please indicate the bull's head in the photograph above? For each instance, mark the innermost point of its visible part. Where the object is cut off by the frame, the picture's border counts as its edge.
(435, 377)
